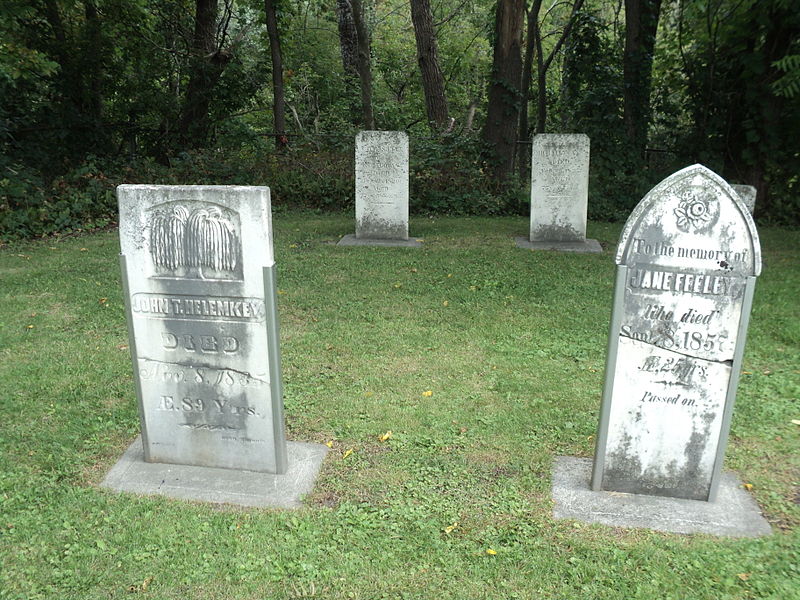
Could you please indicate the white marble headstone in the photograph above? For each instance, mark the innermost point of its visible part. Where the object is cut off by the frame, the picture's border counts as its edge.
(559, 187)
(687, 262)
(382, 185)
(197, 262)
(748, 195)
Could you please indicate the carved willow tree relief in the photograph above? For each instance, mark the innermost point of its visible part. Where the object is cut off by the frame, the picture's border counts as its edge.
(195, 240)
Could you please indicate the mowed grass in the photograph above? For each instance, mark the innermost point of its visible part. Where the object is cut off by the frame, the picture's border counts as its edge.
(483, 360)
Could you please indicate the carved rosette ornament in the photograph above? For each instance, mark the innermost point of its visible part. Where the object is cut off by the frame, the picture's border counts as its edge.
(697, 211)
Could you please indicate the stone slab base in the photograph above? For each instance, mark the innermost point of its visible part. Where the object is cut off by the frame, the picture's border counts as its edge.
(222, 486)
(352, 240)
(734, 514)
(587, 247)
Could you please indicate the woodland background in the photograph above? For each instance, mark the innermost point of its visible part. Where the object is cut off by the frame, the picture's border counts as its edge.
(94, 93)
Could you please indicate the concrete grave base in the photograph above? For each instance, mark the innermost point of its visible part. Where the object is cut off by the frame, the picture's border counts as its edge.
(587, 247)
(734, 514)
(222, 486)
(352, 240)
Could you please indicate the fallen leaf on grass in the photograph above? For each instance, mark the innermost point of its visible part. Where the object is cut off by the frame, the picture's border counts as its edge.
(427, 393)
(346, 454)
(103, 301)
(385, 436)
(445, 303)
(450, 528)
(491, 552)
(796, 421)
(743, 576)
(141, 587)
(329, 444)
(747, 486)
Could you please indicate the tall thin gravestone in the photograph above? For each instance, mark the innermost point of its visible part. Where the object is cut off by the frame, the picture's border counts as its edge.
(687, 263)
(559, 194)
(381, 164)
(199, 280)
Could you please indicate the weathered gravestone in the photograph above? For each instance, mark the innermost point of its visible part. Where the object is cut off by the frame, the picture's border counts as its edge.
(748, 195)
(381, 163)
(687, 261)
(559, 194)
(199, 280)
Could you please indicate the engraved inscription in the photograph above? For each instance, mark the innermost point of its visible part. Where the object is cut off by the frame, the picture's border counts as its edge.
(215, 406)
(167, 372)
(216, 308)
(204, 344)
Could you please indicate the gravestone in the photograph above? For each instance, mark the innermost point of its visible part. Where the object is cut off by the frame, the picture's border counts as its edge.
(687, 263)
(199, 279)
(381, 163)
(559, 194)
(748, 195)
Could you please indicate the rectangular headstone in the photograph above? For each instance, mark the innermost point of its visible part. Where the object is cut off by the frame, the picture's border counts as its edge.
(748, 195)
(198, 272)
(559, 187)
(382, 185)
(687, 262)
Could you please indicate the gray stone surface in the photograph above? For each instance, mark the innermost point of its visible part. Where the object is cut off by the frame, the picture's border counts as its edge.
(352, 240)
(688, 257)
(382, 185)
(585, 247)
(559, 187)
(748, 195)
(198, 273)
(733, 514)
(222, 486)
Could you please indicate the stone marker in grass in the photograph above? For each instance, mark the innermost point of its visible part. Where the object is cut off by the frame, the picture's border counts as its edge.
(200, 291)
(381, 164)
(748, 195)
(687, 261)
(199, 285)
(559, 194)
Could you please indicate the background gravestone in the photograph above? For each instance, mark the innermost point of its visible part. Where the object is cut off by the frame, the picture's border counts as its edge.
(198, 272)
(748, 195)
(687, 262)
(381, 190)
(559, 193)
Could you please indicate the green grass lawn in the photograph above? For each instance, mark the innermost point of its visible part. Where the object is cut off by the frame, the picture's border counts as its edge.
(484, 361)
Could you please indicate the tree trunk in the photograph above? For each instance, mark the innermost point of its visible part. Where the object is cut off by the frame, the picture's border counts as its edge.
(207, 64)
(502, 118)
(527, 69)
(428, 59)
(543, 64)
(278, 101)
(348, 37)
(364, 69)
(641, 23)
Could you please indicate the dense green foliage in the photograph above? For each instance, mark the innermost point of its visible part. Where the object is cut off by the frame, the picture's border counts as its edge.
(510, 346)
(97, 92)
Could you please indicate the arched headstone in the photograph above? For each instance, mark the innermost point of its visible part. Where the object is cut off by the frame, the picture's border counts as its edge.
(686, 267)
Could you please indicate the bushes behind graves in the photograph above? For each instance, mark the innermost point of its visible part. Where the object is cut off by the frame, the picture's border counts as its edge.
(446, 177)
